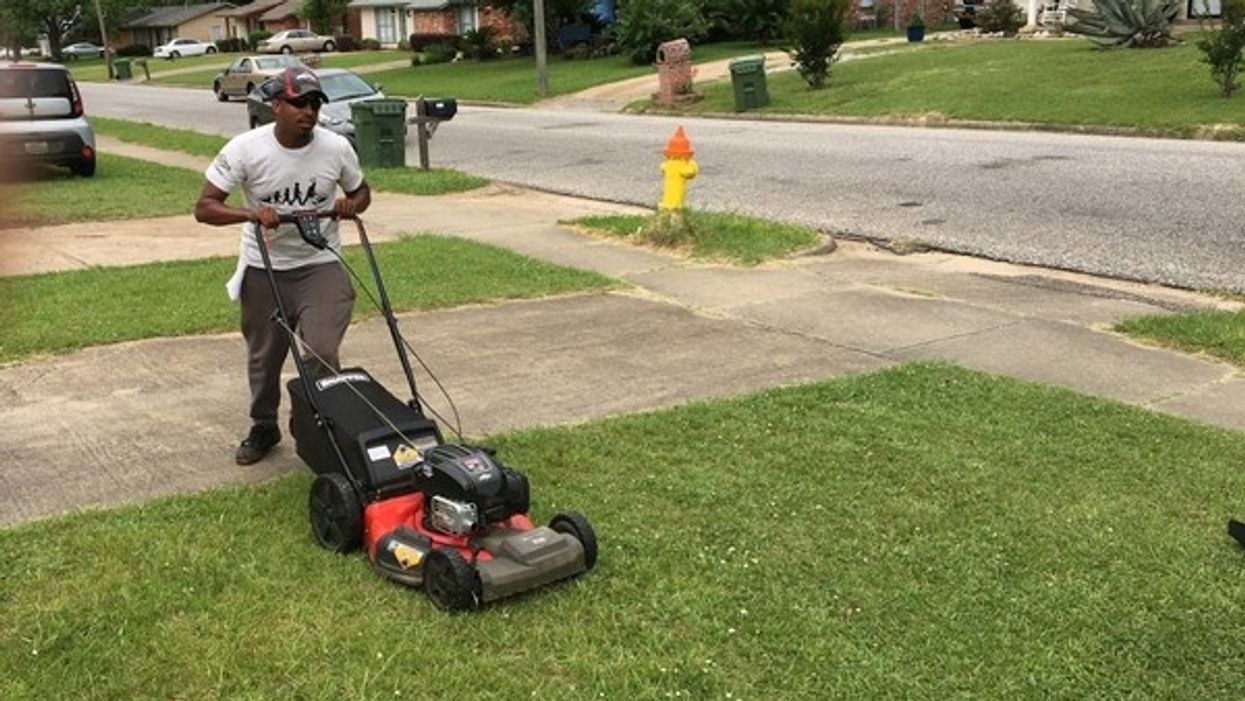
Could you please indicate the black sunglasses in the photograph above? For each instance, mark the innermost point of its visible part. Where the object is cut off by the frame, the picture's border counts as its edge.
(301, 102)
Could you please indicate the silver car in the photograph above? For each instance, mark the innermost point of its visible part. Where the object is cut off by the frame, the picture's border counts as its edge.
(41, 118)
(292, 40)
(247, 72)
(83, 49)
(343, 89)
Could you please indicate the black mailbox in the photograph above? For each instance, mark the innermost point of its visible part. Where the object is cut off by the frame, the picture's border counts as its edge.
(440, 108)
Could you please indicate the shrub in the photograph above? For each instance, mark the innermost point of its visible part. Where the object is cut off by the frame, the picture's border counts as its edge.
(232, 45)
(419, 42)
(916, 20)
(254, 38)
(816, 29)
(999, 16)
(134, 50)
(345, 42)
(1129, 23)
(478, 43)
(644, 24)
(1222, 46)
(369, 45)
(757, 20)
(437, 53)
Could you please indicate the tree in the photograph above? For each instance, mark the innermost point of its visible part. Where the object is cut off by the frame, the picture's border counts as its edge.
(816, 29)
(1222, 46)
(321, 13)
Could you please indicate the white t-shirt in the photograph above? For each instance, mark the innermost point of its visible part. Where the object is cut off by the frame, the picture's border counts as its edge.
(288, 180)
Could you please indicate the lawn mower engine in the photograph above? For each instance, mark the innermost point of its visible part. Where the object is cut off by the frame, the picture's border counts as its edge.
(447, 517)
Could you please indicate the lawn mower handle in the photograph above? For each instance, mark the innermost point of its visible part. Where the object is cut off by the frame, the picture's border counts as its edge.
(308, 223)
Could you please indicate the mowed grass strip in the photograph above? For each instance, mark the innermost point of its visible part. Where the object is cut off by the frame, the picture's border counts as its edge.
(1065, 82)
(925, 532)
(1217, 333)
(721, 236)
(57, 312)
(122, 188)
(406, 181)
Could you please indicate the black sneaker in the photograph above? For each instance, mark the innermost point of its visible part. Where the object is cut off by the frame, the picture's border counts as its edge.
(263, 438)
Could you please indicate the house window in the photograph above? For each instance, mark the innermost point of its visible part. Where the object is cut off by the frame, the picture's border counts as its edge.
(466, 18)
(217, 34)
(386, 25)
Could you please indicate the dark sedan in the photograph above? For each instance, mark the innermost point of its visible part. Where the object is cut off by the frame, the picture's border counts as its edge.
(343, 89)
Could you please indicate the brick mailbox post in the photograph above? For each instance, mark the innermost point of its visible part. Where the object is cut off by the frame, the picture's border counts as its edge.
(674, 73)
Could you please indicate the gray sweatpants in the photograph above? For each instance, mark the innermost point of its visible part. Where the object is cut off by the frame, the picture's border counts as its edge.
(318, 300)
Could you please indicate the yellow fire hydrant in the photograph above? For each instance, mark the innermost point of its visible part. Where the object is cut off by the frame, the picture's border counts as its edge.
(677, 169)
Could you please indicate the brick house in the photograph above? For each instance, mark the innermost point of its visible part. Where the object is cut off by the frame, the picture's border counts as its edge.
(241, 21)
(391, 21)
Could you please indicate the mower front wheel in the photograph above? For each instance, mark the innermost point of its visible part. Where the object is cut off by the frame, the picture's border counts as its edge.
(336, 516)
(450, 581)
(577, 526)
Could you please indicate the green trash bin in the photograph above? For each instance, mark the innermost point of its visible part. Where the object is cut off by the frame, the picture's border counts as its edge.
(380, 132)
(748, 79)
(121, 67)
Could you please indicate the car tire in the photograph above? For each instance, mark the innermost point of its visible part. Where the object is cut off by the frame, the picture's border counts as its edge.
(335, 513)
(84, 168)
(254, 122)
(249, 88)
(174, 54)
(220, 94)
(330, 46)
(211, 49)
(286, 49)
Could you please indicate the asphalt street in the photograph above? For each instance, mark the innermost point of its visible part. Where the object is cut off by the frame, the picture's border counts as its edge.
(1145, 209)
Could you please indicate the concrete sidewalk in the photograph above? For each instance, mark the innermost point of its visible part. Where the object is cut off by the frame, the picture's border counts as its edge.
(127, 422)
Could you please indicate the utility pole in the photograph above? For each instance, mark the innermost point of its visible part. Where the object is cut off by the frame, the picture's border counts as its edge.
(103, 38)
(542, 66)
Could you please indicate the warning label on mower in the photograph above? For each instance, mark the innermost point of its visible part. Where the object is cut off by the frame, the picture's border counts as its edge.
(343, 377)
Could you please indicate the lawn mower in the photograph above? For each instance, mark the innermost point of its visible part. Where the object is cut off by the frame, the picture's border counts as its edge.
(447, 517)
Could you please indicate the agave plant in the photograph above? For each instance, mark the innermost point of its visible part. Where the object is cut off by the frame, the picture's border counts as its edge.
(1132, 23)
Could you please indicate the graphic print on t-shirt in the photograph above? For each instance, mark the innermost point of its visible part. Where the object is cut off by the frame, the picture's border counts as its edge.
(297, 197)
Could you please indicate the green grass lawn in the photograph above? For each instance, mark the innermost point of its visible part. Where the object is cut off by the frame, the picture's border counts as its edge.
(57, 312)
(1053, 82)
(733, 238)
(921, 533)
(1217, 333)
(122, 188)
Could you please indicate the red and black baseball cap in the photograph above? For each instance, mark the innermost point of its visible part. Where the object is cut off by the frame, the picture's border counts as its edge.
(293, 83)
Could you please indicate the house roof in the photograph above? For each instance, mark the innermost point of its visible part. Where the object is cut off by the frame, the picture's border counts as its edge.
(174, 16)
(247, 10)
(409, 4)
(281, 11)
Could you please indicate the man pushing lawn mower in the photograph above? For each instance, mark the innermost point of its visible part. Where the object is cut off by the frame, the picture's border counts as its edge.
(287, 166)
(448, 517)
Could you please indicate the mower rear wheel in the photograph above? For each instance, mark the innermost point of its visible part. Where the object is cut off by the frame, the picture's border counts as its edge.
(336, 516)
(576, 525)
(450, 581)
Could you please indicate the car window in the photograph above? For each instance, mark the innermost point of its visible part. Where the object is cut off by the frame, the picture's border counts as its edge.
(246, 66)
(345, 86)
(34, 83)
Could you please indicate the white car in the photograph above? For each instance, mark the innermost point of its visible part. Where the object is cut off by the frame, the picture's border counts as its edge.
(177, 48)
(83, 49)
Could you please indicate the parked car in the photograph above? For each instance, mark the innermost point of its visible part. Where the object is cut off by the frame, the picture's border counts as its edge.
(343, 89)
(178, 48)
(292, 40)
(83, 49)
(41, 117)
(246, 73)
